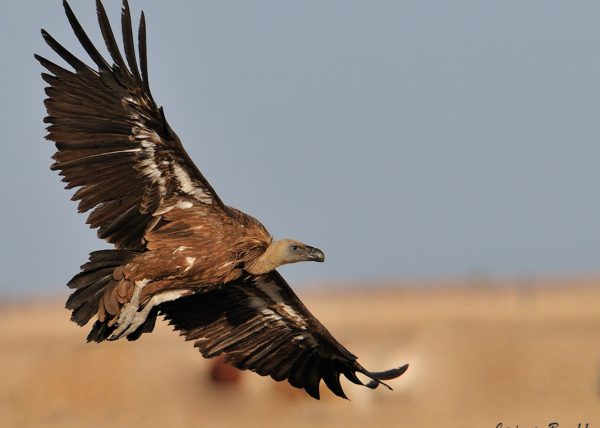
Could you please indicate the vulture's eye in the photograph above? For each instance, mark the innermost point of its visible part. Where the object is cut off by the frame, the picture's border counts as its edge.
(294, 248)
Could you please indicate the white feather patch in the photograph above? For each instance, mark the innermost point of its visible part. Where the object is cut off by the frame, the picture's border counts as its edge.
(190, 263)
(271, 290)
(187, 186)
(148, 165)
(257, 303)
(182, 205)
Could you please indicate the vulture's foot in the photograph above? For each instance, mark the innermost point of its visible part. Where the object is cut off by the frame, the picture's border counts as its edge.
(129, 312)
(133, 322)
(127, 317)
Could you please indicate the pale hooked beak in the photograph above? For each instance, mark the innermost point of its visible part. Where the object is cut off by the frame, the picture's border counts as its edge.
(314, 254)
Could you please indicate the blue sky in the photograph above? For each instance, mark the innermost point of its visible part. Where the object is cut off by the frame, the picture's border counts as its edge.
(414, 139)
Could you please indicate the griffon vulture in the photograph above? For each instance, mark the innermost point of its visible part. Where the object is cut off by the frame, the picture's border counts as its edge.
(178, 250)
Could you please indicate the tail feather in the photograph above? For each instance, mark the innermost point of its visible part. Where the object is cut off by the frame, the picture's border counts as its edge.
(90, 285)
(92, 281)
(100, 331)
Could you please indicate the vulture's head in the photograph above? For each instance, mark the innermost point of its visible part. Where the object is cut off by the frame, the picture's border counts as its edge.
(282, 252)
(291, 251)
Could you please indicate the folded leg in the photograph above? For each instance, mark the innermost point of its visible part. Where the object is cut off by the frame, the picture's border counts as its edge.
(131, 317)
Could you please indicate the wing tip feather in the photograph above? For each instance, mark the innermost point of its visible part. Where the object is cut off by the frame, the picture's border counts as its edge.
(67, 7)
(377, 378)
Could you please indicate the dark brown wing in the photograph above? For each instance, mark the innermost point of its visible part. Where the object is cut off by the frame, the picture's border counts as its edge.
(113, 141)
(261, 325)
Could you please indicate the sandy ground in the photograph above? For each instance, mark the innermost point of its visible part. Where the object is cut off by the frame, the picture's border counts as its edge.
(479, 354)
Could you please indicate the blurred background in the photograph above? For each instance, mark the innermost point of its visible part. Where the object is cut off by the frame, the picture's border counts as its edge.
(443, 155)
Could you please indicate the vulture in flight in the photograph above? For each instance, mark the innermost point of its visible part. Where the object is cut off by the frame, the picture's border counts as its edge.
(179, 251)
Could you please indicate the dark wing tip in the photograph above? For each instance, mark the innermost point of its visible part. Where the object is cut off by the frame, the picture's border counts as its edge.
(332, 380)
(142, 52)
(378, 377)
(313, 390)
(67, 6)
(125, 9)
(389, 374)
(128, 43)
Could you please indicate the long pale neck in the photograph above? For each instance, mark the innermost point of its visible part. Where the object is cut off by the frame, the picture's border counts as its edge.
(269, 260)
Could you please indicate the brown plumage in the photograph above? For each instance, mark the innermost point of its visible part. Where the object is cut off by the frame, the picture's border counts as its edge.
(179, 250)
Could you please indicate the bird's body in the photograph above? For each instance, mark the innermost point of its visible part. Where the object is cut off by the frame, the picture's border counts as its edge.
(179, 250)
(191, 248)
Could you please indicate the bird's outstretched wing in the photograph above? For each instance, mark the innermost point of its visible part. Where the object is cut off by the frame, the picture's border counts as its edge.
(113, 141)
(261, 325)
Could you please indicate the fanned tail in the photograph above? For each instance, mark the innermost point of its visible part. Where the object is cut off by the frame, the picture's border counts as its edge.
(91, 282)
